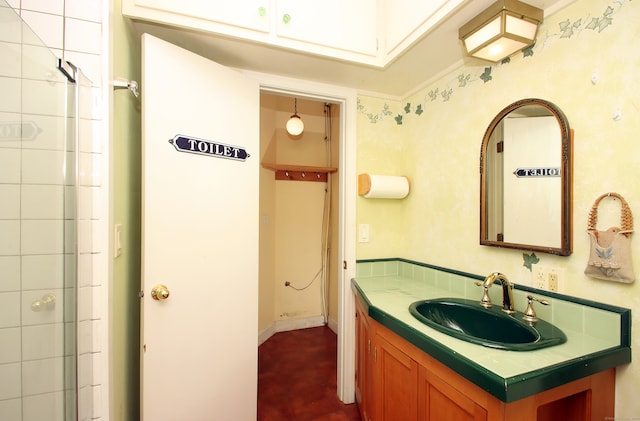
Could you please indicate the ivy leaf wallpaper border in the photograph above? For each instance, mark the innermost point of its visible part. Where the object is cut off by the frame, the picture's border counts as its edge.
(567, 29)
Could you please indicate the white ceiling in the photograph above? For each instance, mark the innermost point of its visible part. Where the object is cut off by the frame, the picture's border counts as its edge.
(436, 54)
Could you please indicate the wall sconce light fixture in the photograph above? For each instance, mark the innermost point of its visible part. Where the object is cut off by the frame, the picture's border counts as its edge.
(295, 126)
(505, 27)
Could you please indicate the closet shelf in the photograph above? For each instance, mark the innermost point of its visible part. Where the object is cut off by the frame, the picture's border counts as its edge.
(299, 172)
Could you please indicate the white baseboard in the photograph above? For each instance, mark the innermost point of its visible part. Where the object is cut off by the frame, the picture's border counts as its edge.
(294, 324)
(266, 333)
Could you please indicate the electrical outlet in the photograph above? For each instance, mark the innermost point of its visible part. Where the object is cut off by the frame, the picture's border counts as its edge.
(553, 281)
(540, 278)
(556, 280)
(548, 278)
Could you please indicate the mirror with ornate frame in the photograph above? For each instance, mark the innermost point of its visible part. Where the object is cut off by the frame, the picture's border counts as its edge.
(526, 179)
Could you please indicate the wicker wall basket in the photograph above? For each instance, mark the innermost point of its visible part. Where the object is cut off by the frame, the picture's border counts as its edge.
(610, 251)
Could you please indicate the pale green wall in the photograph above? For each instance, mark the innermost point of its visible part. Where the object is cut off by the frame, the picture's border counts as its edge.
(125, 304)
(439, 150)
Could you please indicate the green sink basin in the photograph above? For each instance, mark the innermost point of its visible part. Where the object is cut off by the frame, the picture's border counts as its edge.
(467, 320)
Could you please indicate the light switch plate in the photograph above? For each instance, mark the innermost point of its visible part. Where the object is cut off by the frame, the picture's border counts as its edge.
(363, 233)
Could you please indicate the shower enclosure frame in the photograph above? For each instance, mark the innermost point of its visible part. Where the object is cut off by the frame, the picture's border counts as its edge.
(39, 137)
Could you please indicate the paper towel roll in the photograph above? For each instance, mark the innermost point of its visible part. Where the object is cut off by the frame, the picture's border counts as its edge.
(374, 186)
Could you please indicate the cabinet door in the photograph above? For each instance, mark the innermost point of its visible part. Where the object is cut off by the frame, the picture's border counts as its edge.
(347, 25)
(247, 14)
(407, 20)
(396, 383)
(439, 401)
(363, 365)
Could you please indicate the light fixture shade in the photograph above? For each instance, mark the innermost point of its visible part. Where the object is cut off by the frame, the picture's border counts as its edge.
(295, 126)
(504, 28)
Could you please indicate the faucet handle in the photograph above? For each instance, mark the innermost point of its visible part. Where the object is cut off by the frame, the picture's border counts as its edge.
(530, 313)
(486, 300)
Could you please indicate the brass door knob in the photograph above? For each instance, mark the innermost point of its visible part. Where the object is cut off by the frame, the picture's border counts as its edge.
(160, 292)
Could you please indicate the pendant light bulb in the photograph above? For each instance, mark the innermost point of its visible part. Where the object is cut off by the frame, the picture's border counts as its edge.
(295, 126)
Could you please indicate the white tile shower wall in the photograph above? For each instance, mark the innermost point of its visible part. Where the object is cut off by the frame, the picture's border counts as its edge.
(90, 245)
(54, 7)
(10, 58)
(90, 10)
(10, 268)
(48, 27)
(30, 356)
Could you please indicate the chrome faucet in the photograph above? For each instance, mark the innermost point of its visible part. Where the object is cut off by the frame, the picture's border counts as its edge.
(507, 292)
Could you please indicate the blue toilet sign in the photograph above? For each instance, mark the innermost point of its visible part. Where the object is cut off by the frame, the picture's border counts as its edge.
(205, 147)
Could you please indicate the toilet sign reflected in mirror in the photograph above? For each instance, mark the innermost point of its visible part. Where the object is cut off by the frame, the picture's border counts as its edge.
(537, 172)
(19, 130)
(205, 147)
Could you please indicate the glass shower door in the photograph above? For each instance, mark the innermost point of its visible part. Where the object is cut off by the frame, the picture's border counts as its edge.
(38, 159)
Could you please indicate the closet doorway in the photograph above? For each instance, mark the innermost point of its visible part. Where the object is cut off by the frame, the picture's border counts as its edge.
(299, 208)
(302, 253)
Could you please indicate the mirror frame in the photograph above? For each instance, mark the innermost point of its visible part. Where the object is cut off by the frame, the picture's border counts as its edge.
(566, 168)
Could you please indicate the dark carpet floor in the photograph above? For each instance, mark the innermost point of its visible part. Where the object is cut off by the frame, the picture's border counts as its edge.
(297, 378)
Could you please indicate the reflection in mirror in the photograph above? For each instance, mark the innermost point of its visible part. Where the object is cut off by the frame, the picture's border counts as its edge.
(525, 179)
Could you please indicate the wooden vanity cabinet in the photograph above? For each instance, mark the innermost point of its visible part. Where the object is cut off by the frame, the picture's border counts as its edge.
(364, 367)
(441, 401)
(397, 381)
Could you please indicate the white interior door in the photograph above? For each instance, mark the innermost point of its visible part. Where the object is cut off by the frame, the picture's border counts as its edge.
(199, 237)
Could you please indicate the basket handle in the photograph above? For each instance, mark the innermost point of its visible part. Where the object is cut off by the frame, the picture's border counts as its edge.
(626, 219)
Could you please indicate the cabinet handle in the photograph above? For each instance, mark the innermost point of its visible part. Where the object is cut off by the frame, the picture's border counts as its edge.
(286, 18)
(369, 346)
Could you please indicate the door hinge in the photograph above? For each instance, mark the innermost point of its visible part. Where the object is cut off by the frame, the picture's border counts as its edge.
(500, 147)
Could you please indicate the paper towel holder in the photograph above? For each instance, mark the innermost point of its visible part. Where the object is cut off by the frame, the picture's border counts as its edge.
(364, 186)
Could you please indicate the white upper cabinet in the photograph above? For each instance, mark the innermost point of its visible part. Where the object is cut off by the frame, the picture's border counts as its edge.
(405, 21)
(371, 32)
(235, 18)
(346, 25)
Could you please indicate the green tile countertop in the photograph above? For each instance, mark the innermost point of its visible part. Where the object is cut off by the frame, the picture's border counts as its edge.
(598, 335)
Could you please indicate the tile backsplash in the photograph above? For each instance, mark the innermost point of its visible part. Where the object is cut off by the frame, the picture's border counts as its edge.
(565, 312)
